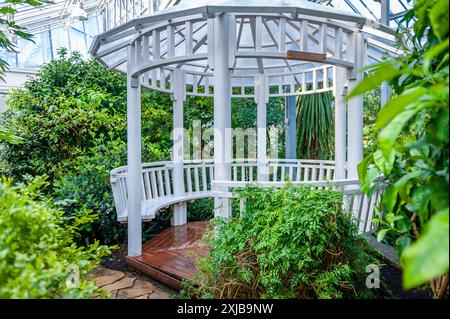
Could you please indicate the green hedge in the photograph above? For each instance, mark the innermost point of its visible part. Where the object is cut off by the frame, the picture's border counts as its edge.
(71, 119)
(38, 255)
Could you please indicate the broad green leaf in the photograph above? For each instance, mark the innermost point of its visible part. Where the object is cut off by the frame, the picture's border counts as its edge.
(439, 186)
(372, 174)
(384, 72)
(390, 198)
(401, 244)
(381, 234)
(429, 56)
(403, 225)
(395, 106)
(392, 218)
(363, 168)
(420, 12)
(383, 164)
(439, 18)
(7, 136)
(389, 135)
(442, 128)
(402, 185)
(420, 201)
(428, 257)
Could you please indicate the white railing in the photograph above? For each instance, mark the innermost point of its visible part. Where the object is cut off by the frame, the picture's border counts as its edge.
(158, 188)
(198, 176)
(156, 183)
(157, 177)
(362, 206)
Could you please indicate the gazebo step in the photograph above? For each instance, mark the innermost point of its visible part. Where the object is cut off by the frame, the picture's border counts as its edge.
(169, 256)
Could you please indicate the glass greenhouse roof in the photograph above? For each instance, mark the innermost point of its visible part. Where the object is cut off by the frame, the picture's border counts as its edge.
(53, 28)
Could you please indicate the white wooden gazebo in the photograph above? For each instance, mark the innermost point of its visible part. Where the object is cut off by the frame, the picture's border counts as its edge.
(239, 49)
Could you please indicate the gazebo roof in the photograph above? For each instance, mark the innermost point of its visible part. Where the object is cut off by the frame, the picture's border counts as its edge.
(252, 6)
(110, 48)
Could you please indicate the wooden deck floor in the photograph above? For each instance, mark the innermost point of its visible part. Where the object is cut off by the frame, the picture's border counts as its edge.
(169, 256)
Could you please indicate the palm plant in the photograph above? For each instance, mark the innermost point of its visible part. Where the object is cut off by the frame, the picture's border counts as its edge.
(315, 126)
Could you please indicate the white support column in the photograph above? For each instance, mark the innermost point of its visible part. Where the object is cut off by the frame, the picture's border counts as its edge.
(355, 111)
(291, 127)
(222, 113)
(154, 6)
(384, 94)
(385, 19)
(385, 12)
(134, 179)
(178, 97)
(261, 99)
(340, 123)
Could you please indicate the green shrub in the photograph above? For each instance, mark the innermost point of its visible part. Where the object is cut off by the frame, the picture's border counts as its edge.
(86, 186)
(372, 104)
(71, 120)
(201, 209)
(37, 248)
(288, 243)
(60, 113)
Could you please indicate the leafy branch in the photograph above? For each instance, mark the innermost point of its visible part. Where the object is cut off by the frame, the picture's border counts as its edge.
(412, 147)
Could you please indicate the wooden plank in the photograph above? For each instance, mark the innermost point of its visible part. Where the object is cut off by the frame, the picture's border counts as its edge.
(305, 56)
(170, 256)
(154, 273)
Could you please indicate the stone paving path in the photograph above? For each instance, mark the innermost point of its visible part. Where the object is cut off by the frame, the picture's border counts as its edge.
(124, 285)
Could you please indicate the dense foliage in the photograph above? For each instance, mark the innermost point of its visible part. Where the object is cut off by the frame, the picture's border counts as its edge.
(86, 186)
(372, 104)
(315, 121)
(71, 119)
(59, 114)
(38, 256)
(412, 147)
(288, 243)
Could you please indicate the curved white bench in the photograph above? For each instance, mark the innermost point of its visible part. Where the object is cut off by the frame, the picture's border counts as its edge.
(157, 187)
(158, 190)
(149, 208)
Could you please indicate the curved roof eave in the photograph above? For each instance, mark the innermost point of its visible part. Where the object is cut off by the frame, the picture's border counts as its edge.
(211, 10)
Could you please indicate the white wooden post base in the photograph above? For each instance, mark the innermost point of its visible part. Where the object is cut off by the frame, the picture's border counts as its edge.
(179, 214)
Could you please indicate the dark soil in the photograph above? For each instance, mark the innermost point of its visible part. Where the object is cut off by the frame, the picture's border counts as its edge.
(116, 260)
(393, 279)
